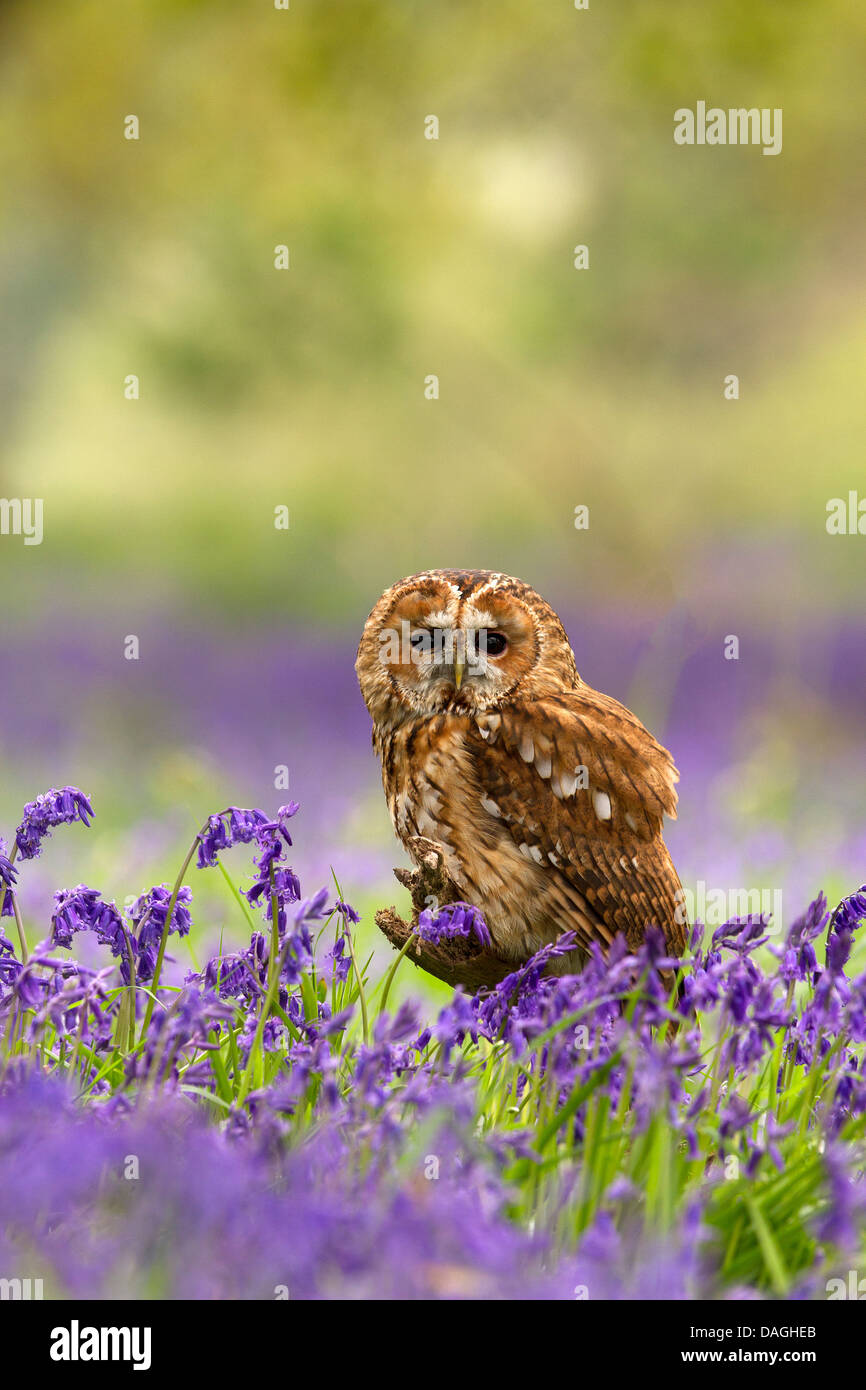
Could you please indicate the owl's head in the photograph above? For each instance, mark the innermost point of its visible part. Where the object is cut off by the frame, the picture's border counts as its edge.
(460, 640)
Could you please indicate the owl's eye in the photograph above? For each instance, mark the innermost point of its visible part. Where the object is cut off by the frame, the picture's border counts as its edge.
(421, 639)
(496, 644)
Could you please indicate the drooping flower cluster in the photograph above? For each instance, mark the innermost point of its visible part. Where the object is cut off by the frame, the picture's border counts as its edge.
(851, 911)
(55, 807)
(453, 920)
(798, 958)
(235, 826)
(8, 878)
(149, 914)
(82, 909)
(276, 885)
(8, 874)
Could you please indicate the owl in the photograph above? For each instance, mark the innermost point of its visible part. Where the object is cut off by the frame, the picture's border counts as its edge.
(546, 797)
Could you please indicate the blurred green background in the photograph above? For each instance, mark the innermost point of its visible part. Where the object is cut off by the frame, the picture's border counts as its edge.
(305, 387)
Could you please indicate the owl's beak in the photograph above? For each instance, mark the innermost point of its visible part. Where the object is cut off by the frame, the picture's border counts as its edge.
(459, 667)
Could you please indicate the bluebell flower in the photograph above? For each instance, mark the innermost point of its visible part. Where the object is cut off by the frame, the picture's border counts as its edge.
(8, 872)
(850, 912)
(798, 959)
(336, 963)
(233, 826)
(841, 1220)
(55, 807)
(8, 878)
(82, 909)
(148, 917)
(453, 920)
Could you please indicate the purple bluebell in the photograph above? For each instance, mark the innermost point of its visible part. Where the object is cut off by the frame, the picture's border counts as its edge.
(54, 807)
(453, 920)
(798, 958)
(841, 1218)
(148, 916)
(850, 912)
(8, 878)
(82, 909)
(8, 872)
(233, 826)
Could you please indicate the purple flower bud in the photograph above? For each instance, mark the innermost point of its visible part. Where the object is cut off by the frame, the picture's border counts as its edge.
(8, 872)
(851, 911)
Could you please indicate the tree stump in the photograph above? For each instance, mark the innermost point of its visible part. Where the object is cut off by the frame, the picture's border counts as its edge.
(461, 960)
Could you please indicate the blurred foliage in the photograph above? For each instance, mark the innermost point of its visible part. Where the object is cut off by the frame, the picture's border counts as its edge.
(306, 388)
(411, 257)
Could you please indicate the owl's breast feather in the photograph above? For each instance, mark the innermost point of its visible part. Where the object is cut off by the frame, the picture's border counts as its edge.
(433, 790)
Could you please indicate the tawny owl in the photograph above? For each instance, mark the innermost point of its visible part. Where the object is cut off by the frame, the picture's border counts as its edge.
(546, 796)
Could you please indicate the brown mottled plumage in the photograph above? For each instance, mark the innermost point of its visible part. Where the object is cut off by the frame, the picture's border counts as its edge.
(546, 796)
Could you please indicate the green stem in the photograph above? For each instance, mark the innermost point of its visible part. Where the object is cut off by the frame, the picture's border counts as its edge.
(273, 960)
(131, 990)
(364, 1021)
(9, 1038)
(236, 895)
(787, 1065)
(393, 971)
(178, 884)
(270, 997)
(20, 925)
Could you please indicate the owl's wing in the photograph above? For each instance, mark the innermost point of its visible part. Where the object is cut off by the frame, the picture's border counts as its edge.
(582, 786)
